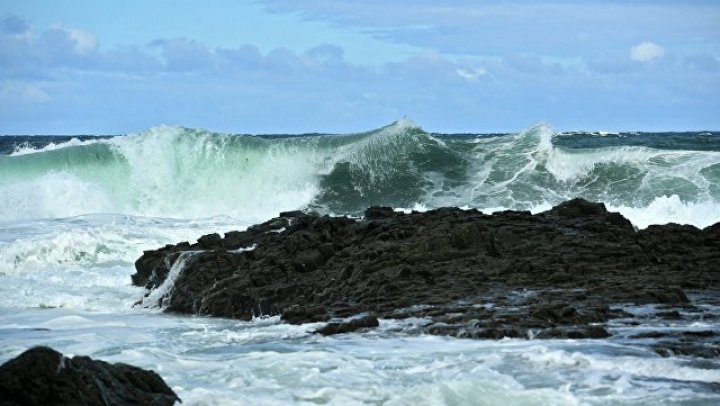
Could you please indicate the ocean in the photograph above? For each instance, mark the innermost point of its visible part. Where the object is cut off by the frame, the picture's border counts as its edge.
(77, 211)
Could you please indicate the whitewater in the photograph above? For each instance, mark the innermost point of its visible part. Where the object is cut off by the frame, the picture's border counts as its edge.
(76, 212)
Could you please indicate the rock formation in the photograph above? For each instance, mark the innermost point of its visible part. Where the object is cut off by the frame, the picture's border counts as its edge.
(562, 273)
(43, 376)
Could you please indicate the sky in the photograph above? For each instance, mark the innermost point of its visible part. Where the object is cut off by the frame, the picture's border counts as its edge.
(288, 66)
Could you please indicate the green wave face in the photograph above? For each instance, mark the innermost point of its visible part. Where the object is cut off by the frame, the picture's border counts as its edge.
(184, 173)
(521, 171)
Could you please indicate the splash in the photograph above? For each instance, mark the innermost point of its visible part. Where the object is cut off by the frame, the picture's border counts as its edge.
(175, 172)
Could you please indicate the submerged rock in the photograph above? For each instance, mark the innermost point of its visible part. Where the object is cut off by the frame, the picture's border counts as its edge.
(561, 273)
(43, 376)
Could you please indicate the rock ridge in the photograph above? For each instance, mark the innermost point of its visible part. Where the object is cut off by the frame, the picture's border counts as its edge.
(565, 272)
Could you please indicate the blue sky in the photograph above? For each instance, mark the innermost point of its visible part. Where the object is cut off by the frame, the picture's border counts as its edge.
(71, 67)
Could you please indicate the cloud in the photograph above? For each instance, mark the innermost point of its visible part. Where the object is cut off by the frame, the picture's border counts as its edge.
(324, 61)
(466, 70)
(40, 54)
(131, 60)
(646, 52)
(556, 28)
(471, 75)
(18, 92)
(84, 41)
(183, 54)
(427, 65)
(52, 52)
(14, 26)
(327, 54)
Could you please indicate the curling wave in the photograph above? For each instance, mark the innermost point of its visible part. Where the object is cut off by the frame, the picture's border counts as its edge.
(182, 173)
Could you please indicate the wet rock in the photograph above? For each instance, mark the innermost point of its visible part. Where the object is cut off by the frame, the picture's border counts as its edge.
(43, 376)
(687, 349)
(562, 273)
(674, 343)
(670, 315)
(210, 241)
(153, 266)
(349, 326)
(301, 314)
(575, 332)
(379, 212)
(578, 208)
(650, 334)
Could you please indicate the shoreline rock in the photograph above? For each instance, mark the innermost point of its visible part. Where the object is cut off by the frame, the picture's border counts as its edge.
(566, 272)
(43, 376)
(354, 324)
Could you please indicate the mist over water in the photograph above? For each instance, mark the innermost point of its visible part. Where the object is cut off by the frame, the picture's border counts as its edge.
(76, 213)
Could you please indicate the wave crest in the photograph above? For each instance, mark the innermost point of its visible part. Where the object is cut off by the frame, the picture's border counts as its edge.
(186, 173)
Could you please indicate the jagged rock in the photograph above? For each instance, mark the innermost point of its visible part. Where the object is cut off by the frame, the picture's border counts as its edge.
(300, 314)
(511, 274)
(349, 326)
(575, 332)
(43, 376)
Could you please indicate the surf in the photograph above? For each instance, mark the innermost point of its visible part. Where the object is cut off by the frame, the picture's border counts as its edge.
(181, 173)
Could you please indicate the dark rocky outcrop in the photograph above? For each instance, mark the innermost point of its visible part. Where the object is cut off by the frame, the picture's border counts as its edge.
(354, 324)
(562, 273)
(43, 376)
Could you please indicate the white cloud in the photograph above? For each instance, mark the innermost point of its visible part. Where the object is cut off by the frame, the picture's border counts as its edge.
(560, 28)
(471, 75)
(83, 42)
(13, 92)
(646, 52)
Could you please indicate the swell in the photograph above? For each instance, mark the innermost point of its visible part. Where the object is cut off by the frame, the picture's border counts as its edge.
(183, 173)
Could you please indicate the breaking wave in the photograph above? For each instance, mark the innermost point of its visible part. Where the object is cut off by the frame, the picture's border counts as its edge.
(175, 172)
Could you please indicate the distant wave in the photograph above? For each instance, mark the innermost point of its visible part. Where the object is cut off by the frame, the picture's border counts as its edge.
(185, 173)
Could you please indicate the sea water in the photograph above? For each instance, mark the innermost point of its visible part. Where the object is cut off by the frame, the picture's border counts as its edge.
(76, 212)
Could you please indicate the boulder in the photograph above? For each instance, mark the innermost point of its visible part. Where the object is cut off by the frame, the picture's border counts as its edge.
(43, 376)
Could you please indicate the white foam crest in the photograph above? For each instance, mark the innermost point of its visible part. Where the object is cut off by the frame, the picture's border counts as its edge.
(383, 154)
(501, 164)
(27, 149)
(665, 368)
(662, 210)
(53, 195)
(526, 171)
(567, 165)
(88, 247)
(93, 241)
(257, 331)
(351, 376)
(671, 209)
(85, 262)
(388, 141)
(404, 124)
(105, 289)
(189, 175)
(167, 172)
